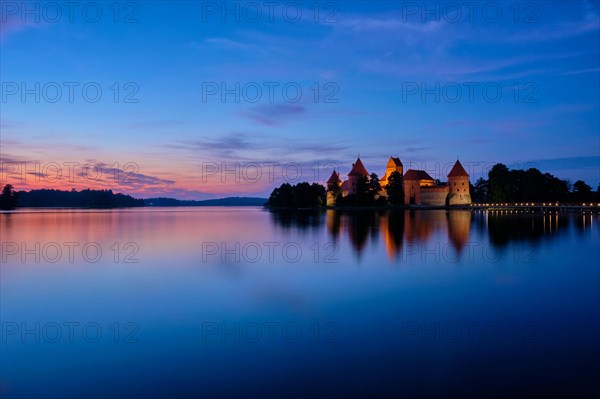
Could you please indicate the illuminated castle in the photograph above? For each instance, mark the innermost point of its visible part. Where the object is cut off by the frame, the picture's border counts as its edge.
(419, 187)
(393, 165)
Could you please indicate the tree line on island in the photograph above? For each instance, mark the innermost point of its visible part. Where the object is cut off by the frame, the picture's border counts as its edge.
(503, 185)
(531, 185)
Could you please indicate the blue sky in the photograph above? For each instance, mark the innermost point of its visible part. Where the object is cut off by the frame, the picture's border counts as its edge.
(428, 82)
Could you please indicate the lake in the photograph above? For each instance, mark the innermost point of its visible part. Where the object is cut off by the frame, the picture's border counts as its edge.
(229, 302)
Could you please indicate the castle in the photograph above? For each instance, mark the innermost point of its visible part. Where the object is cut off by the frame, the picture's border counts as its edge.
(419, 187)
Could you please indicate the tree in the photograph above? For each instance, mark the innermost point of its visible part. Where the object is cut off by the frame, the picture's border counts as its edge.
(555, 188)
(282, 196)
(320, 193)
(374, 185)
(364, 195)
(480, 191)
(335, 191)
(499, 189)
(8, 198)
(395, 188)
(301, 195)
(582, 191)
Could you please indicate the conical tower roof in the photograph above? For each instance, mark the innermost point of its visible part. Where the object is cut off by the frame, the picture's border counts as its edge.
(358, 169)
(458, 170)
(334, 178)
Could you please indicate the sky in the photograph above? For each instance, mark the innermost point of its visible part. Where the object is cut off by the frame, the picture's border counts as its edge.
(197, 100)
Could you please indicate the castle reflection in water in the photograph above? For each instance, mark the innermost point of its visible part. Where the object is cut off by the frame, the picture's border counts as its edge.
(400, 230)
(404, 231)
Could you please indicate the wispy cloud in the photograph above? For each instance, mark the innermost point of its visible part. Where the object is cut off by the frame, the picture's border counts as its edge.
(415, 149)
(255, 147)
(275, 114)
(394, 47)
(228, 43)
(130, 177)
(26, 172)
(462, 69)
(223, 147)
(582, 71)
(371, 24)
(590, 23)
(155, 124)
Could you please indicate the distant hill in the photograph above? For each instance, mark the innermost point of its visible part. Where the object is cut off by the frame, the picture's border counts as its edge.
(229, 201)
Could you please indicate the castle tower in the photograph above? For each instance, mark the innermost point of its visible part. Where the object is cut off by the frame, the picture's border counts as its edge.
(358, 169)
(334, 183)
(393, 165)
(459, 192)
(334, 179)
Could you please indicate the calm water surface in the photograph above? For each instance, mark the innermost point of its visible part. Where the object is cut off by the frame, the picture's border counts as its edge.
(229, 302)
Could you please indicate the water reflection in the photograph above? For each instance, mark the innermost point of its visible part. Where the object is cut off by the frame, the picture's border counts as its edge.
(409, 315)
(457, 228)
(299, 220)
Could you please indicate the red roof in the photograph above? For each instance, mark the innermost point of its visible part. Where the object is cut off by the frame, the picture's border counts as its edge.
(395, 160)
(358, 169)
(334, 178)
(413, 174)
(345, 185)
(458, 170)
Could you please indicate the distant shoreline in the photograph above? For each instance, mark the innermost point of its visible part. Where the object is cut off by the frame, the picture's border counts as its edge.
(227, 201)
(107, 199)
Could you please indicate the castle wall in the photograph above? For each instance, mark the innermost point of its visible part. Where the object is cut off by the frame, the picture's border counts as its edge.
(412, 189)
(434, 196)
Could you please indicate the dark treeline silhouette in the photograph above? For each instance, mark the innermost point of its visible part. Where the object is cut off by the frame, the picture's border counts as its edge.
(76, 199)
(229, 201)
(302, 220)
(395, 189)
(301, 195)
(506, 185)
(8, 198)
